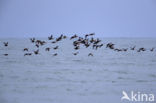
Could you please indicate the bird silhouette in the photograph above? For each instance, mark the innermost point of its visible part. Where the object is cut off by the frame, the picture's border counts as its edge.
(36, 52)
(27, 54)
(25, 49)
(51, 37)
(132, 48)
(152, 49)
(55, 47)
(55, 54)
(5, 43)
(47, 49)
(90, 54)
(5, 54)
(32, 40)
(75, 53)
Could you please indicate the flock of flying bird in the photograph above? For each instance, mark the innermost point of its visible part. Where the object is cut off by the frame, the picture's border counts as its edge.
(87, 41)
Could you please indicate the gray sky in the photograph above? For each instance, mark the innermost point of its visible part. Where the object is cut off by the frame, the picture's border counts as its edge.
(107, 18)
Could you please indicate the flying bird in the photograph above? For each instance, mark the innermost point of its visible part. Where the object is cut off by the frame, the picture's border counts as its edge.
(55, 54)
(36, 52)
(25, 49)
(47, 49)
(75, 53)
(32, 40)
(5, 54)
(27, 54)
(56, 47)
(5, 43)
(90, 54)
(51, 37)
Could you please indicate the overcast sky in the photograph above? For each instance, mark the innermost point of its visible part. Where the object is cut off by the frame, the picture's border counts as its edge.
(107, 18)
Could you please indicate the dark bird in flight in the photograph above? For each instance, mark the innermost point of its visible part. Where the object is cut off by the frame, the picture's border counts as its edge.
(55, 54)
(25, 49)
(32, 40)
(50, 37)
(64, 37)
(59, 38)
(141, 49)
(110, 45)
(86, 35)
(53, 42)
(125, 49)
(117, 50)
(91, 34)
(47, 49)
(36, 52)
(5, 43)
(152, 49)
(132, 48)
(5, 54)
(77, 47)
(27, 54)
(75, 53)
(55, 47)
(74, 36)
(90, 54)
(37, 45)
